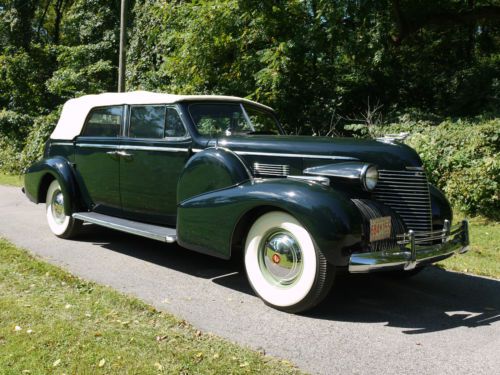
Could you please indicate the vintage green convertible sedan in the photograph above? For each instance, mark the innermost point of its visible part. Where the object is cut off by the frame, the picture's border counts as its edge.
(217, 175)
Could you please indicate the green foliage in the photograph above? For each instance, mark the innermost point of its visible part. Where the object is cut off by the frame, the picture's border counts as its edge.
(35, 142)
(461, 158)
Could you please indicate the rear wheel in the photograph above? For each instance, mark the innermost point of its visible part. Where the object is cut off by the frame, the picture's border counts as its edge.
(62, 225)
(283, 266)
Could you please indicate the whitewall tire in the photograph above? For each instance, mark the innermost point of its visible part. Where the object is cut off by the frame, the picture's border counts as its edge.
(60, 224)
(283, 265)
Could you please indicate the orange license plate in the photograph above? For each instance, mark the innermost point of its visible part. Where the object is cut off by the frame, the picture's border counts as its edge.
(380, 228)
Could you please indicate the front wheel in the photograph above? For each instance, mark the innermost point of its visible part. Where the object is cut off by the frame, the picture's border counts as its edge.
(283, 266)
(62, 225)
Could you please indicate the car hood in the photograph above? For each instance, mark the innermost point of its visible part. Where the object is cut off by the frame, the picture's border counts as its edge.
(322, 150)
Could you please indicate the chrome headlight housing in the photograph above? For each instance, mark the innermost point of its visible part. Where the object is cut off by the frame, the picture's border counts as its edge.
(369, 177)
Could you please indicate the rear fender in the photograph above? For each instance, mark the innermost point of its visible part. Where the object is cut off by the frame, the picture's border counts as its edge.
(39, 175)
(207, 222)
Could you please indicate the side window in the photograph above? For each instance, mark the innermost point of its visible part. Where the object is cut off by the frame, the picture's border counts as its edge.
(104, 122)
(147, 121)
(173, 124)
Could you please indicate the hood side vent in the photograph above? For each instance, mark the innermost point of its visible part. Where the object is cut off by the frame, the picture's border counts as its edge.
(261, 169)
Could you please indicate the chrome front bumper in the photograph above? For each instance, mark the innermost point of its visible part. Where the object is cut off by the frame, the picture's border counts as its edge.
(414, 249)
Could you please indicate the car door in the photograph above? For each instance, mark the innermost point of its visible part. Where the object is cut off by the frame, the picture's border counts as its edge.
(97, 160)
(154, 152)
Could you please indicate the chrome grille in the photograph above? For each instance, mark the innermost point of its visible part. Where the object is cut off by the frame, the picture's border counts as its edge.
(271, 169)
(407, 193)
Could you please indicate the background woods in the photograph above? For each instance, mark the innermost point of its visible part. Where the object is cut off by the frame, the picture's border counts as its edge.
(324, 65)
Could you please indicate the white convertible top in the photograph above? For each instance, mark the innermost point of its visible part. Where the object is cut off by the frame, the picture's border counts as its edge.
(75, 111)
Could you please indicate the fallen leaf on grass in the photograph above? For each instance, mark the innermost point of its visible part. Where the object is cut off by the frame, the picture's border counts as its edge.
(199, 355)
(244, 364)
(17, 328)
(161, 338)
(28, 331)
(102, 362)
(158, 366)
(198, 333)
(216, 355)
(56, 363)
(68, 306)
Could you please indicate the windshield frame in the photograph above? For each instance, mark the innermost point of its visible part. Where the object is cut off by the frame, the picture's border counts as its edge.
(242, 105)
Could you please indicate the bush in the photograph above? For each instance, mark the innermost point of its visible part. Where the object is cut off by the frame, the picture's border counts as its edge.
(461, 158)
(22, 139)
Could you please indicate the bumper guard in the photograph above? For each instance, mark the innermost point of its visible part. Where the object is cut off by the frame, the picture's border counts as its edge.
(414, 249)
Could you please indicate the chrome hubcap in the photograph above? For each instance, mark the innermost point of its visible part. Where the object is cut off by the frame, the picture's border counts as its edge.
(280, 258)
(58, 207)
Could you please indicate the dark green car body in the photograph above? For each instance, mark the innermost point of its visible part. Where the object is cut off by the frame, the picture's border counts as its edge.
(211, 189)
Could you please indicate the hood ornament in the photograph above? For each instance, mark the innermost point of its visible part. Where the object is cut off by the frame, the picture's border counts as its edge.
(389, 138)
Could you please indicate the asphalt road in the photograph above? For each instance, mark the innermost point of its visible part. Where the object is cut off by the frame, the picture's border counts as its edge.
(436, 323)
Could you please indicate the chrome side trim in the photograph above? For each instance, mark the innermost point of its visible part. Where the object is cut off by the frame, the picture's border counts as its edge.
(153, 148)
(96, 145)
(127, 147)
(307, 156)
(61, 143)
(317, 179)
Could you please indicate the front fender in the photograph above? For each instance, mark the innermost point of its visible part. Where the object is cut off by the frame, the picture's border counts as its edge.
(441, 208)
(44, 171)
(207, 222)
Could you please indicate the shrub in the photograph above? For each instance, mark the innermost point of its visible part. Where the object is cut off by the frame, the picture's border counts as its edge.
(42, 128)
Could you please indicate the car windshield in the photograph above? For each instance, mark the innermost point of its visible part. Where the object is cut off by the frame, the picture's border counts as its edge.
(226, 119)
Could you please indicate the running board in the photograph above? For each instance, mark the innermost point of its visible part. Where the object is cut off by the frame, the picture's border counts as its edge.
(154, 232)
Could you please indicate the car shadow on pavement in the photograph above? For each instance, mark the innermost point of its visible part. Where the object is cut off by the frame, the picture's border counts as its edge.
(434, 300)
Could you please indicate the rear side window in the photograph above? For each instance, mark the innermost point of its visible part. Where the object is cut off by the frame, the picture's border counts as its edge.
(147, 121)
(104, 122)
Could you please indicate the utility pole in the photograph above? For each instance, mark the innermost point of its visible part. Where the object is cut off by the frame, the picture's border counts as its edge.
(123, 44)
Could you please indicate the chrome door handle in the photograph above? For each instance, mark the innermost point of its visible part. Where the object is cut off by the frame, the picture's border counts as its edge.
(123, 153)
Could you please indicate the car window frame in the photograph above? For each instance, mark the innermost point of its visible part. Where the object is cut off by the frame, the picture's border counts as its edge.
(126, 131)
(87, 118)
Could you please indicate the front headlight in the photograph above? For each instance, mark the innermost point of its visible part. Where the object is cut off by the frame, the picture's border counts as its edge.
(369, 178)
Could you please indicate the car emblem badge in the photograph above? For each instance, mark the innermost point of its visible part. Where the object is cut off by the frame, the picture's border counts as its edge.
(276, 258)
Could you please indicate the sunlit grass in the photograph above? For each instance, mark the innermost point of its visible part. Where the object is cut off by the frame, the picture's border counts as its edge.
(53, 322)
(483, 257)
(10, 180)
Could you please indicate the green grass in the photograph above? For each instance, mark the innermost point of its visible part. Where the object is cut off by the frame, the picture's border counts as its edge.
(10, 180)
(53, 322)
(483, 257)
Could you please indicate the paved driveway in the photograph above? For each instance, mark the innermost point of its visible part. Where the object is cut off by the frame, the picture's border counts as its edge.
(437, 323)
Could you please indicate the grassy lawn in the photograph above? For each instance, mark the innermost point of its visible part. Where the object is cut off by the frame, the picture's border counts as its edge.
(483, 257)
(11, 180)
(53, 322)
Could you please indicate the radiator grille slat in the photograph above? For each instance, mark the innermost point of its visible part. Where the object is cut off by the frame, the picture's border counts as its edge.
(407, 193)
